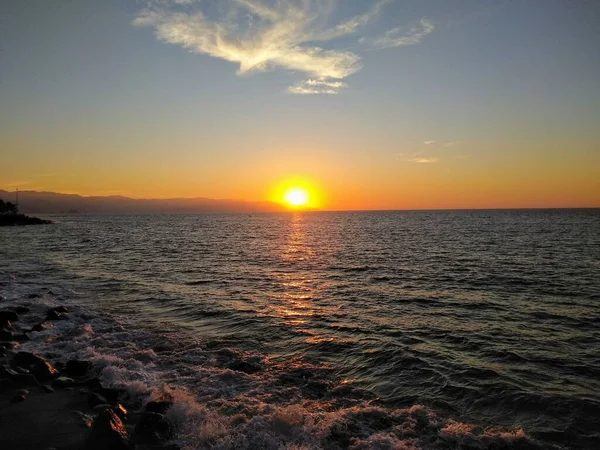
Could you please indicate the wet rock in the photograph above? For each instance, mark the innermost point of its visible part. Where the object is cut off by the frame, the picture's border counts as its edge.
(60, 309)
(85, 419)
(158, 407)
(96, 399)
(120, 411)
(20, 309)
(46, 388)
(112, 395)
(63, 382)
(21, 337)
(33, 296)
(76, 368)
(23, 379)
(18, 398)
(10, 345)
(39, 327)
(20, 369)
(5, 324)
(244, 366)
(108, 432)
(2, 351)
(8, 315)
(54, 315)
(38, 366)
(153, 427)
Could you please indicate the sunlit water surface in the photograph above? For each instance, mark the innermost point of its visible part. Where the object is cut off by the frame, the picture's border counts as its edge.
(490, 317)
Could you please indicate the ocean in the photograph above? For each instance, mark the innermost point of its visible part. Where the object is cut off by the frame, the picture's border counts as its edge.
(415, 329)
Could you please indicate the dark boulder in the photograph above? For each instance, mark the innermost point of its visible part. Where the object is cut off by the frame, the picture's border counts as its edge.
(76, 368)
(54, 315)
(18, 398)
(158, 407)
(38, 366)
(8, 315)
(6, 324)
(6, 335)
(63, 382)
(108, 432)
(39, 327)
(154, 427)
(96, 399)
(33, 296)
(111, 395)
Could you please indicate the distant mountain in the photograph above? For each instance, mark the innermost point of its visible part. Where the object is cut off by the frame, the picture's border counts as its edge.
(33, 202)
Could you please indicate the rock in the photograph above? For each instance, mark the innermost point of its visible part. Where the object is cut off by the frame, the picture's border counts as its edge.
(59, 309)
(21, 337)
(54, 315)
(38, 366)
(63, 382)
(20, 309)
(23, 379)
(6, 384)
(10, 345)
(20, 369)
(33, 296)
(23, 391)
(158, 407)
(39, 327)
(120, 411)
(7, 372)
(6, 335)
(8, 315)
(18, 398)
(244, 366)
(108, 432)
(5, 324)
(96, 399)
(46, 388)
(76, 368)
(153, 427)
(86, 420)
(112, 395)
(2, 351)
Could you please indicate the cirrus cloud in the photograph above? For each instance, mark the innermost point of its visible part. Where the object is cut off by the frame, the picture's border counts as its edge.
(260, 36)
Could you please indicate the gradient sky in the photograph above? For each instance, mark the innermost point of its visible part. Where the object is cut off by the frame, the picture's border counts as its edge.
(379, 104)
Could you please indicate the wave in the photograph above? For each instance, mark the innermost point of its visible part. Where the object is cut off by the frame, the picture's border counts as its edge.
(225, 397)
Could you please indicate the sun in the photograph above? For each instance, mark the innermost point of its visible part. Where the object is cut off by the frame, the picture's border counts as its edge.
(296, 197)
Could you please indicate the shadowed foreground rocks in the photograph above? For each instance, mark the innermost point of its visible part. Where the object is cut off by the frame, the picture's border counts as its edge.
(64, 406)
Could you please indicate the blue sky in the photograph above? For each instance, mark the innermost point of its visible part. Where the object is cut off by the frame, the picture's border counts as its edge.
(334, 90)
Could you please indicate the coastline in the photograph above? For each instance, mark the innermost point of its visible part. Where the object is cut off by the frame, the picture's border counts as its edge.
(306, 414)
(8, 220)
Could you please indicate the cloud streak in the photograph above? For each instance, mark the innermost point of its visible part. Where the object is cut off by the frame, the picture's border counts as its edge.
(423, 160)
(401, 36)
(259, 36)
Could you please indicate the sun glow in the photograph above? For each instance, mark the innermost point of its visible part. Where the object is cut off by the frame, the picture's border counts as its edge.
(296, 196)
(297, 193)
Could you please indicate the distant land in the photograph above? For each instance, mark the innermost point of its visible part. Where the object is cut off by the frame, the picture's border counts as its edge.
(34, 202)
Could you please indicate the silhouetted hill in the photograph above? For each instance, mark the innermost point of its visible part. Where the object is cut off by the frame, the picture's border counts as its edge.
(52, 202)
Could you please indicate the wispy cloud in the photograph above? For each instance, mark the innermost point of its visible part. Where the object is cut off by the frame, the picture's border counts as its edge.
(423, 160)
(260, 36)
(401, 36)
(453, 144)
(318, 86)
(429, 142)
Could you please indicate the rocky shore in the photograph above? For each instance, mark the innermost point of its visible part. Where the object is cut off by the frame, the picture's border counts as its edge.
(7, 220)
(46, 403)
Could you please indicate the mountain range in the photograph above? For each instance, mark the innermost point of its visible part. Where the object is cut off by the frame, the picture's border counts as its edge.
(34, 202)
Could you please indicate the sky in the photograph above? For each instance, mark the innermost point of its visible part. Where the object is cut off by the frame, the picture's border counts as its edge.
(397, 104)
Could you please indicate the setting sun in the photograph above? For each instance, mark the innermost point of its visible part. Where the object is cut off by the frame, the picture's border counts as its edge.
(296, 196)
